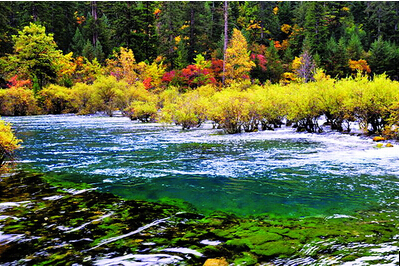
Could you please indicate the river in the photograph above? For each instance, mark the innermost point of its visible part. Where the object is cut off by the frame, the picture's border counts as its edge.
(277, 197)
(281, 172)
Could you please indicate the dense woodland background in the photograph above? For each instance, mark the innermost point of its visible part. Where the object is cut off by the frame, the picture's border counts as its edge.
(246, 66)
(333, 32)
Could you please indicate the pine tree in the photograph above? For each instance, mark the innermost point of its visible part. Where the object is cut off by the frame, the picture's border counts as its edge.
(98, 52)
(384, 58)
(77, 43)
(88, 51)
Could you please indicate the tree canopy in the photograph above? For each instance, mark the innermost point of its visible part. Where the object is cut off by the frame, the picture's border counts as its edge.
(332, 32)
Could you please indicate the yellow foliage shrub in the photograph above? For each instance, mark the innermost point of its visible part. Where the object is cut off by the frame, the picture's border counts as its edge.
(189, 110)
(83, 100)
(107, 91)
(17, 101)
(56, 99)
(8, 143)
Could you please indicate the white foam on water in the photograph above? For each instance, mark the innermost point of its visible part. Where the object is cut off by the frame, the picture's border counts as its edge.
(140, 260)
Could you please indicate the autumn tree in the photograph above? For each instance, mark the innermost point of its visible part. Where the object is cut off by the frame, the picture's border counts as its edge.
(35, 56)
(238, 63)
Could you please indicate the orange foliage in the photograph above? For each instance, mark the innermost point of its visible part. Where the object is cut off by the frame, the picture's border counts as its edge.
(360, 65)
(14, 82)
(79, 19)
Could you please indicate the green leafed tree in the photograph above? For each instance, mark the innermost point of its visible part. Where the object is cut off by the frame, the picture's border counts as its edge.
(35, 56)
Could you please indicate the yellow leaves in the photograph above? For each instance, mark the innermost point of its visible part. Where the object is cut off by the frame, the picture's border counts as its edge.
(275, 10)
(345, 9)
(286, 28)
(238, 63)
(178, 39)
(185, 26)
(157, 11)
(8, 142)
(67, 65)
(253, 25)
(296, 63)
(56, 99)
(17, 101)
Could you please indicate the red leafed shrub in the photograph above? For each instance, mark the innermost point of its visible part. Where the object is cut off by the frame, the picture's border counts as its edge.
(169, 76)
(147, 83)
(216, 68)
(194, 77)
(14, 82)
(189, 77)
(260, 61)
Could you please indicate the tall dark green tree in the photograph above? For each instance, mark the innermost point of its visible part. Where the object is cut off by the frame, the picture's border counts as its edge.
(384, 58)
(382, 20)
(78, 42)
(169, 24)
(197, 14)
(335, 60)
(96, 28)
(133, 27)
(315, 26)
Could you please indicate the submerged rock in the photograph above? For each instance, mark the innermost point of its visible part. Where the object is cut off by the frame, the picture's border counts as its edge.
(378, 138)
(216, 262)
(43, 225)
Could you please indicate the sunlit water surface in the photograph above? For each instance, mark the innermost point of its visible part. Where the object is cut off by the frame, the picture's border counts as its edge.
(278, 172)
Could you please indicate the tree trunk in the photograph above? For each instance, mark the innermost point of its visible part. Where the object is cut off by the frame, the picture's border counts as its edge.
(94, 15)
(192, 41)
(225, 39)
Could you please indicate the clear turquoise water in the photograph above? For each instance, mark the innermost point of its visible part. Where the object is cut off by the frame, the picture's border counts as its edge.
(277, 172)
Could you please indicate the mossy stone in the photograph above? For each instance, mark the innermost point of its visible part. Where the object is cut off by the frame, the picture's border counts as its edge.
(275, 248)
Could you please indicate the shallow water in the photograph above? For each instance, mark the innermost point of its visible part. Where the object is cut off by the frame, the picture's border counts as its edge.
(278, 172)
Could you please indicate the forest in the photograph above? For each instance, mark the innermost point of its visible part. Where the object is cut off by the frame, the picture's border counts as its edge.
(246, 66)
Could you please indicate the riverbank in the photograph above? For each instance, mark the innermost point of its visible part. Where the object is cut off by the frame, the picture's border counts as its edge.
(45, 225)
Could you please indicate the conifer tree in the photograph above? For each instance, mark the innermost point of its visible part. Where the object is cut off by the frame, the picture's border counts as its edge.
(77, 43)
(238, 63)
(88, 51)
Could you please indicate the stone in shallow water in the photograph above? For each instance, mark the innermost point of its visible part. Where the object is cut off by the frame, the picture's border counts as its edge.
(216, 262)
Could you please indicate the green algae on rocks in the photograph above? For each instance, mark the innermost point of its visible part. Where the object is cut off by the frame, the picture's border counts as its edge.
(42, 224)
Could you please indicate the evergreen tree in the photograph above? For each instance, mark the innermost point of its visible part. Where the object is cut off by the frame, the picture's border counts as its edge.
(335, 60)
(133, 27)
(384, 58)
(77, 43)
(274, 65)
(98, 52)
(354, 48)
(382, 20)
(88, 51)
(5, 28)
(315, 27)
(169, 23)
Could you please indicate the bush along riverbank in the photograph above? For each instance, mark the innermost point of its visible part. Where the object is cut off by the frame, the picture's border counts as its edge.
(44, 224)
(238, 107)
